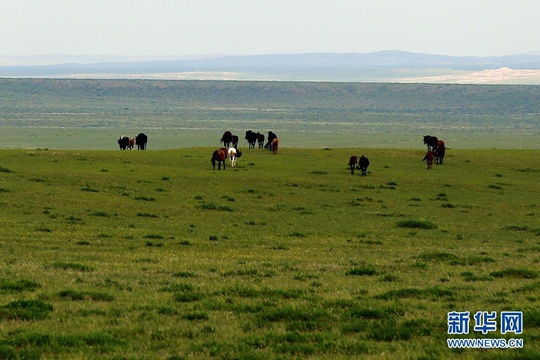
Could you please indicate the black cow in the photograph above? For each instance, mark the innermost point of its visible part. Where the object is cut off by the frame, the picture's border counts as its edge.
(363, 164)
(141, 140)
(251, 138)
(226, 139)
(123, 142)
(431, 142)
(271, 137)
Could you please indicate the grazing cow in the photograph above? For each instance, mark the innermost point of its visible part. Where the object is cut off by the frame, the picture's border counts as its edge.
(131, 143)
(275, 145)
(141, 140)
(431, 142)
(429, 157)
(234, 141)
(363, 164)
(251, 138)
(233, 154)
(260, 140)
(226, 139)
(271, 137)
(123, 142)
(353, 160)
(219, 155)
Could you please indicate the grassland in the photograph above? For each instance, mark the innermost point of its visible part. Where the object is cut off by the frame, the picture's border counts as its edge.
(139, 255)
(92, 114)
(142, 255)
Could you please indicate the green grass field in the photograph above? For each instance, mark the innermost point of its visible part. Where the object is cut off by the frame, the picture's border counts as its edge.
(143, 255)
(92, 114)
(170, 139)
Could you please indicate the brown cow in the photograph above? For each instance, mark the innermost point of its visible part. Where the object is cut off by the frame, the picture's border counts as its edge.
(275, 145)
(429, 157)
(260, 140)
(353, 160)
(219, 155)
(441, 150)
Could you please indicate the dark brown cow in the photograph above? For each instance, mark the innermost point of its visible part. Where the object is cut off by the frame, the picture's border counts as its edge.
(441, 151)
(429, 157)
(353, 160)
(219, 156)
(260, 140)
(234, 141)
(275, 145)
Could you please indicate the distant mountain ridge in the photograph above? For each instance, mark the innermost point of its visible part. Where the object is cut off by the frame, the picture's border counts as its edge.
(377, 66)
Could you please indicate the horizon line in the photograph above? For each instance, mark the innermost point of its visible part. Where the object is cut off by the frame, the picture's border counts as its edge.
(49, 59)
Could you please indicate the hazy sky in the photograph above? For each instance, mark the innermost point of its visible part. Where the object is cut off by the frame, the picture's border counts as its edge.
(247, 27)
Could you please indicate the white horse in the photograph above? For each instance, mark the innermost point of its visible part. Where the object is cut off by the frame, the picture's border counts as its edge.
(233, 154)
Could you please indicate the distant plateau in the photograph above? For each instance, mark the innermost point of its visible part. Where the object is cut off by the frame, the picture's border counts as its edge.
(384, 66)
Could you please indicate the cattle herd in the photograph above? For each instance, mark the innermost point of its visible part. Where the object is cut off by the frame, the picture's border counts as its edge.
(230, 146)
(435, 149)
(128, 143)
(363, 163)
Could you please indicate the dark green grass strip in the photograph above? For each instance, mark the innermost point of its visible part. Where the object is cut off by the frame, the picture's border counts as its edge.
(417, 224)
